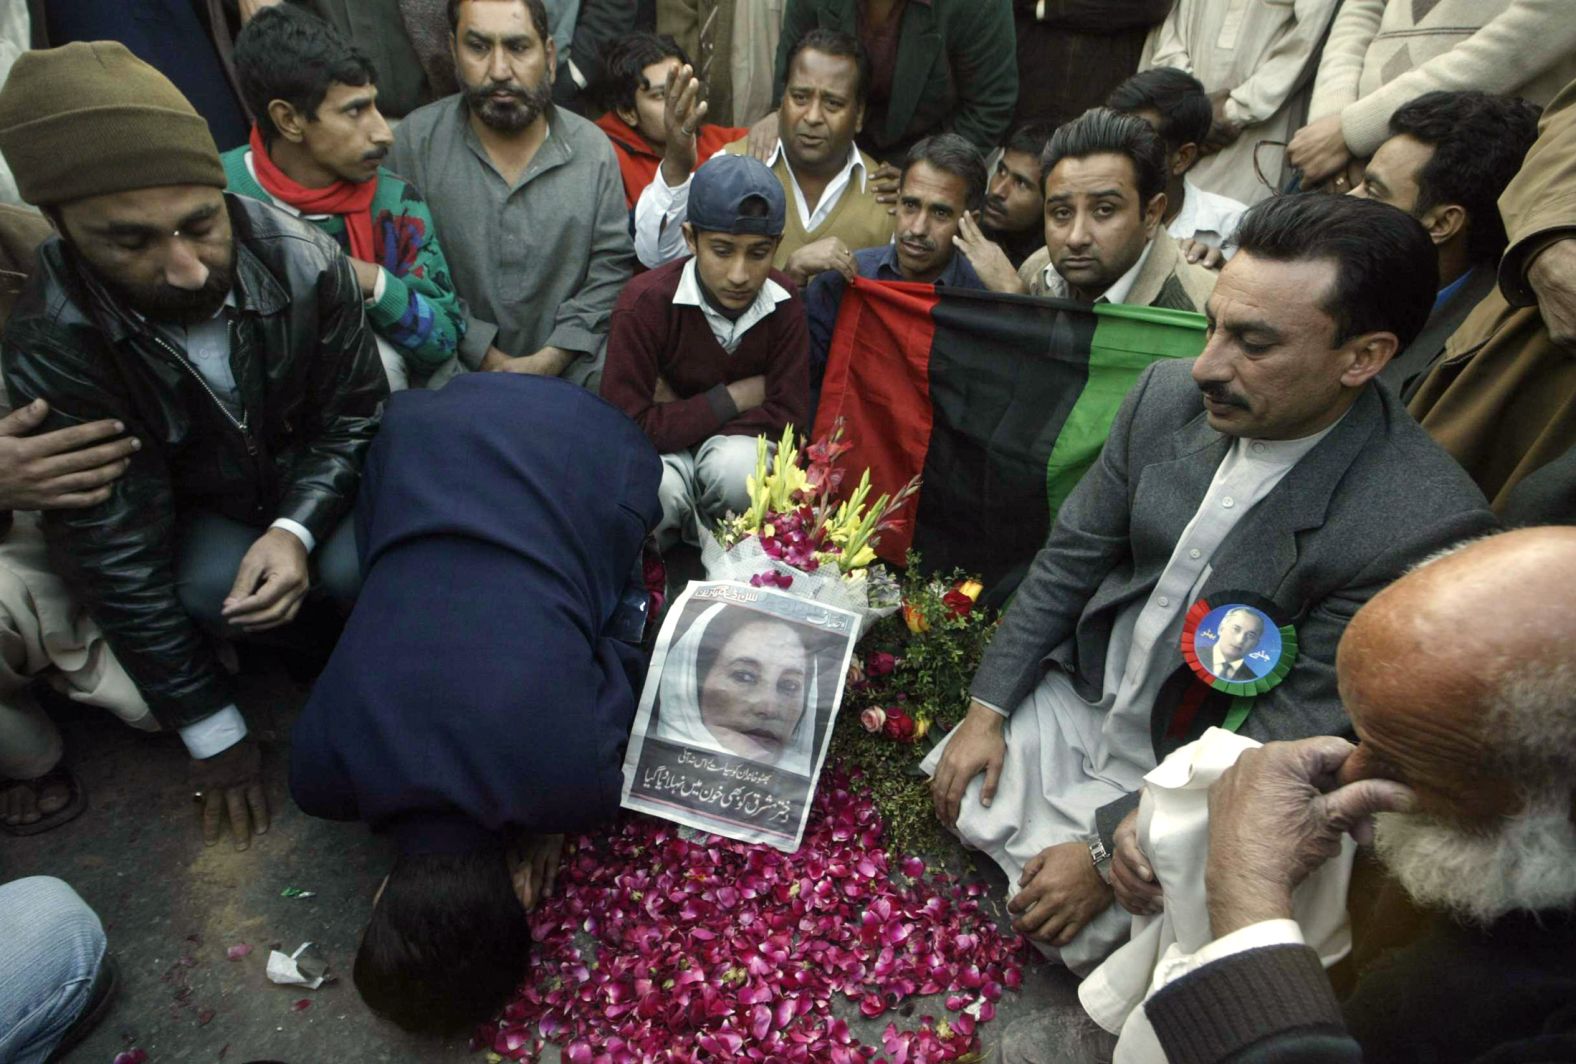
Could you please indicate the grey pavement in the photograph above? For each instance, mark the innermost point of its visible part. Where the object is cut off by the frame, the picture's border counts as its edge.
(172, 907)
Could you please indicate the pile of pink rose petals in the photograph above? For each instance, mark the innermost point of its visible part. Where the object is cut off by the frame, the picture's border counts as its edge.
(712, 950)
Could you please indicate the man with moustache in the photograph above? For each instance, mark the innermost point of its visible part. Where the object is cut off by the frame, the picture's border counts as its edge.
(831, 185)
(528, 198)
(943, 185)
(1105, 195)
(1463, 950)
(1295, 480)
(1014, 215)
(316, 152)
(230, 341)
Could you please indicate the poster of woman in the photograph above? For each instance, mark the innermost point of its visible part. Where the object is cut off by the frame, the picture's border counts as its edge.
(737, 710)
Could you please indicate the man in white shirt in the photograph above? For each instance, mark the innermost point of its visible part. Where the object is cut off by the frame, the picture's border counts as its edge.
(1174, 105)
(1105, 196)
(1294, 486)
(832, 205)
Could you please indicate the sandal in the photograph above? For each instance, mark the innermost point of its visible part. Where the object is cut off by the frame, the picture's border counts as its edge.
(66, 813)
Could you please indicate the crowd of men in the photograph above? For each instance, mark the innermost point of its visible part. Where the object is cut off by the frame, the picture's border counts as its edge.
(255, 396)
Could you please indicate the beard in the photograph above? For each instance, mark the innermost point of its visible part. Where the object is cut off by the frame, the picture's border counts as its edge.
(525, 105)
(170, 305)
(1479, 877)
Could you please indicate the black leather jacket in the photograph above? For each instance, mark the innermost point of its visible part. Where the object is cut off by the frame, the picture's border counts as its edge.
(311, 386)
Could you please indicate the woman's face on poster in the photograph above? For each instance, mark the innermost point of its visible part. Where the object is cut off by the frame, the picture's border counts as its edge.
(753, 696)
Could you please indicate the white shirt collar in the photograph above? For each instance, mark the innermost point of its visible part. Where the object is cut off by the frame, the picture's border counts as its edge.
(1056, 284)
(728, 331)
(834, 188)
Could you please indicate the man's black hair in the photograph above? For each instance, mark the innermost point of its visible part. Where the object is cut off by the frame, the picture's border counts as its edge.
(538, 12)
(1386, 268)
(1179, 99)
(447, 943)
(952, 154)
(1030, 138)
(1102, 131)
(624, 59)
(288, 54)
(1479, 142)
(834, 42)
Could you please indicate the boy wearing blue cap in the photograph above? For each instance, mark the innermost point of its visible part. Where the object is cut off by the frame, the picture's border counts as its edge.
(711, 351)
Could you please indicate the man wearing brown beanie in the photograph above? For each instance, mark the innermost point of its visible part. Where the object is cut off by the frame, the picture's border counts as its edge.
(230, 341)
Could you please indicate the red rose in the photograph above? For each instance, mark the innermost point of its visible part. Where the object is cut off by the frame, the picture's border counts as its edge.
(899, 725)
(957, 603)
(879, 663)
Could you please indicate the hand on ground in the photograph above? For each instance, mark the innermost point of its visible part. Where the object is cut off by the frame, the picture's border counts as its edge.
(534, 868)
(231, 782)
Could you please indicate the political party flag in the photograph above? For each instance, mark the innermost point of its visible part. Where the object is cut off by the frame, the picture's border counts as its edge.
(1000, 402)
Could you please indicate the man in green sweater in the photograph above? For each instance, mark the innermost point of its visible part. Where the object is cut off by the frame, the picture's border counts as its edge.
(315, 152)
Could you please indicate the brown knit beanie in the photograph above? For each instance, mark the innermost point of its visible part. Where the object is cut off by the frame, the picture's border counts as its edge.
(90, 118)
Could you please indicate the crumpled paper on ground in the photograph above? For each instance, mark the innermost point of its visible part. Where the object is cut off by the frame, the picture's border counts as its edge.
(305, 967)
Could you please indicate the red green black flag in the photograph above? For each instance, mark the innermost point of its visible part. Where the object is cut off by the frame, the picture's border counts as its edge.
(1000, 402)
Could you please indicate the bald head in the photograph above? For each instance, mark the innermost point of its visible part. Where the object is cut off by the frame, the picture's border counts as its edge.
(1456, 671)
(1461, 682)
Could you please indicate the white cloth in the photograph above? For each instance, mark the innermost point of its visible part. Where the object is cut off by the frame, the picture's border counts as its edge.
(1206, 217)
(1264, 51)
(678, 700)
(1173, 827)
(728, 331)
(1056, 285)
(661, 210)
(1066, 758)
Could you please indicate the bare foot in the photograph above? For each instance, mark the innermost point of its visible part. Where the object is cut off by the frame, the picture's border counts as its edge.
(24, 802)
(533, 865)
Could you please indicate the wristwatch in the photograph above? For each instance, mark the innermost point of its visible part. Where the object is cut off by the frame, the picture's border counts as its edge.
(1101, 858)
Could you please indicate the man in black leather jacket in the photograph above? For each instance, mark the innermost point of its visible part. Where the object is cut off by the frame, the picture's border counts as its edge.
(230, 341)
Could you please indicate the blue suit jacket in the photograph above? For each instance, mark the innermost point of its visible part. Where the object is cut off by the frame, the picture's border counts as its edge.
(479, 685)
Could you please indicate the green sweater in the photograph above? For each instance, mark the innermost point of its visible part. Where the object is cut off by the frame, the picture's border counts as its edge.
(419, 311)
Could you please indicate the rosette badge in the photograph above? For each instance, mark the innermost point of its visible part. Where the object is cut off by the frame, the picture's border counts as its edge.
(1234, 643)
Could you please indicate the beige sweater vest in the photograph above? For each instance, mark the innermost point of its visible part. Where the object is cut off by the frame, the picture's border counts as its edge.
(858, 219)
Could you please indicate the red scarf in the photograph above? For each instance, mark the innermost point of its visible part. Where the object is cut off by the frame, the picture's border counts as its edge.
(351, 200)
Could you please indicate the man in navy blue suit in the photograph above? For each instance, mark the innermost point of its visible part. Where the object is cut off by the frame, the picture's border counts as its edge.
(478, 703)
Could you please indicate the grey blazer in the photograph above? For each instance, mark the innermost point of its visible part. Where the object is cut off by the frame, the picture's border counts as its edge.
(1374, 497)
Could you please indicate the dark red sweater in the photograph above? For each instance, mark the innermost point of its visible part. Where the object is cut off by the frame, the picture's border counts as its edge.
(651, 337)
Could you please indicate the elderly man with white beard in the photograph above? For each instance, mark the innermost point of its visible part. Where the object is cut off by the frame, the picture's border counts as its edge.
(1461, 682)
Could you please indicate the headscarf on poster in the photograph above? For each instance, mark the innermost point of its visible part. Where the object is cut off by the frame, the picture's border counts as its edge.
(737, 711)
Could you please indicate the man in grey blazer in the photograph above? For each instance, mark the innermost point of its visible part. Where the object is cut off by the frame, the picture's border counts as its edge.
(1292, 479)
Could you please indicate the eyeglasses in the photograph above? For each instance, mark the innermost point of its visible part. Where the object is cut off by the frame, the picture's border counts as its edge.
(1260, 159)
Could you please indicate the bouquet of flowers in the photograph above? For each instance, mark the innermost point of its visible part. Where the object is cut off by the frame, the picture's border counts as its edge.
(907, 687)
(796, 534)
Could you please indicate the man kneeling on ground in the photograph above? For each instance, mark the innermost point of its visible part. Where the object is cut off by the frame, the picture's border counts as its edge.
(483, 690)
(229, 339)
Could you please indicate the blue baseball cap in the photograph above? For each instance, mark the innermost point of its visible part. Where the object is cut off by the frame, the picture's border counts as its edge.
(724, 184)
